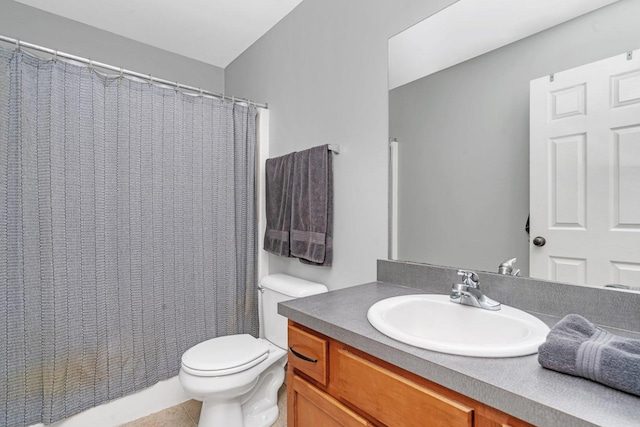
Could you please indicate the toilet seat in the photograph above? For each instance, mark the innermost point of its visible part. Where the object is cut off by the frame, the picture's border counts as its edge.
(224, 355)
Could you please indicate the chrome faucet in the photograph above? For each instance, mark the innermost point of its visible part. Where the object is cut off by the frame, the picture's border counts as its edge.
(468, 292)
(507, 268)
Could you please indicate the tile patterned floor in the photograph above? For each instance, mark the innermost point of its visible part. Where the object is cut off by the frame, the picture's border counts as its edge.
(187, 414)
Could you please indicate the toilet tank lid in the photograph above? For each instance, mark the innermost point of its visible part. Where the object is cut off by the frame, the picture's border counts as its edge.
(292, 286)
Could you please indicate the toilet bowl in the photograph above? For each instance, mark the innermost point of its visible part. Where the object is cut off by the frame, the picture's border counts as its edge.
(241, 395)
(237, 377)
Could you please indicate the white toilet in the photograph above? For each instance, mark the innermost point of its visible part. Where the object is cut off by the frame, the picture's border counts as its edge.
(237, 377)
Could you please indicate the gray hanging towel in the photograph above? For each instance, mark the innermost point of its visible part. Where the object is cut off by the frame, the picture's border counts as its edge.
(576, 346)
(279, 173)
(312, 206)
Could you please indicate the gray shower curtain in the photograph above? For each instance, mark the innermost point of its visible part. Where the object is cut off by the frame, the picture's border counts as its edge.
(127, 233)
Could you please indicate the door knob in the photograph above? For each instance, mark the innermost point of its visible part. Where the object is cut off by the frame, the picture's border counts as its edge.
(539, 241)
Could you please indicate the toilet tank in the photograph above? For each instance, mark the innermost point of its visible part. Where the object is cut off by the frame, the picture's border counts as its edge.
(277, 288)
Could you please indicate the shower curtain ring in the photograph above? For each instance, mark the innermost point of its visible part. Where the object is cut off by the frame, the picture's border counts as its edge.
(55, 55)
(121, 73)
(17, 45)
(150, 80)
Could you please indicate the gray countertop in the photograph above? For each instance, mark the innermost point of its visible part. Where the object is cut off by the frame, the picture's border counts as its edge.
(518, 386)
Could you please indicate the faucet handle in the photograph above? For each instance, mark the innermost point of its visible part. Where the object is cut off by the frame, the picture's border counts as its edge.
(507, 268)
(469, 278)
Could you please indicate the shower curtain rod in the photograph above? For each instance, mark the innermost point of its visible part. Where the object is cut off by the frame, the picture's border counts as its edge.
(19, 43)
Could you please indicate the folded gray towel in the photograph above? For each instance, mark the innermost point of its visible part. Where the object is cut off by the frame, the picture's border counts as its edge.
(312, 206)
(576, 346)
(279, 173)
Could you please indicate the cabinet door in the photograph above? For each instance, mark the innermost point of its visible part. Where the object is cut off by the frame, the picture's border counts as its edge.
(391, 398)
(312, 407)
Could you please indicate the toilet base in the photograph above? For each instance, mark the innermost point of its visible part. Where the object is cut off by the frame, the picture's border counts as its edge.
(260, 409)
(247, 401)
(221, 413)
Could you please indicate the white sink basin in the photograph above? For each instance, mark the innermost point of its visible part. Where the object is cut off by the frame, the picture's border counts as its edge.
(434, 323)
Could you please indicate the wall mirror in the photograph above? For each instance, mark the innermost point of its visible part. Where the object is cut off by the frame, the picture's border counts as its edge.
(459, 120)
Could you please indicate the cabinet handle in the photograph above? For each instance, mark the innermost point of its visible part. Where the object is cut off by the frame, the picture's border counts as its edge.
(302, 356)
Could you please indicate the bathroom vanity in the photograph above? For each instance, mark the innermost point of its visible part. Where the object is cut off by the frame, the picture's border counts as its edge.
(330, 383)
(362, 377)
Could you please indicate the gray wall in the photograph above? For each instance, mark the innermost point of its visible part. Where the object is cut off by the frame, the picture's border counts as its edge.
(36, 26)
(323, 71)
(464, 141)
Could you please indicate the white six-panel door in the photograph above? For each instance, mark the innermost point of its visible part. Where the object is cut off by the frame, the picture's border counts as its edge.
(585, 174)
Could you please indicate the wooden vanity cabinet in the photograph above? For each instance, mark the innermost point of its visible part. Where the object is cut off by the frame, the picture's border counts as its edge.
(332, 384)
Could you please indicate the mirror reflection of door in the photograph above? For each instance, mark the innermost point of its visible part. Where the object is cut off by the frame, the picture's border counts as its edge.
(585, 173)
(463, 131)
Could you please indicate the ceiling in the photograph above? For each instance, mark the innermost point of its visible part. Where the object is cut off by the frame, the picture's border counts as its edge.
(470, 28)
(212, 31)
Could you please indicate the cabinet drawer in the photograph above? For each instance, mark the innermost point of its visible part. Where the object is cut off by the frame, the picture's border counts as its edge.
(392, 399)
(308, 354)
